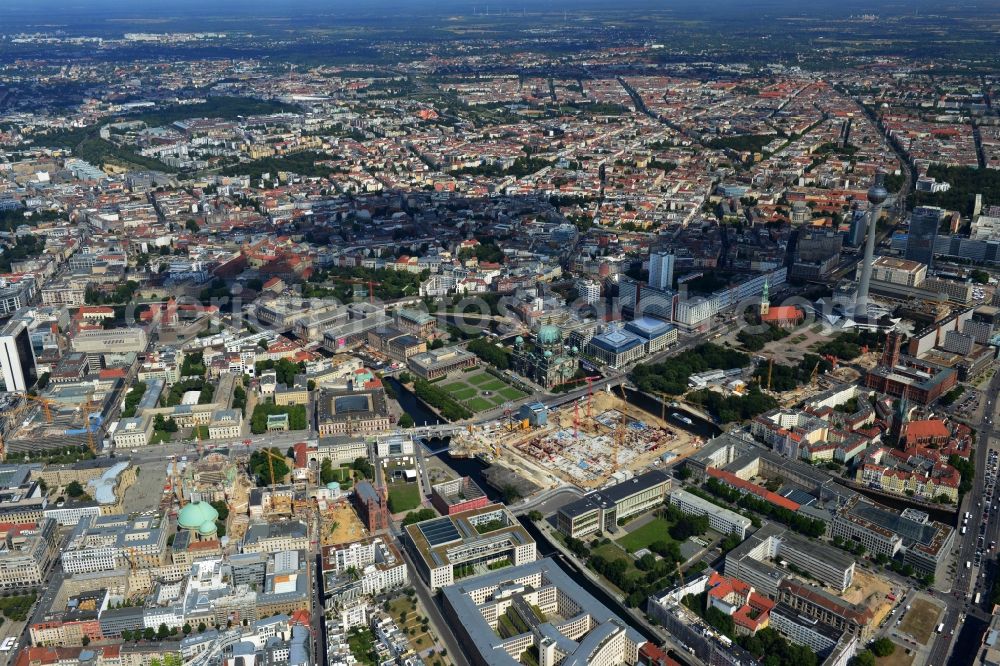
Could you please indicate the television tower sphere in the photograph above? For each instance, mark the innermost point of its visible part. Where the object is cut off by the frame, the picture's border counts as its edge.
(877, 194)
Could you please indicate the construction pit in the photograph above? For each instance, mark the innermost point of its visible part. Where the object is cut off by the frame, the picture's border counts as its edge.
(340, 524)
(579, 442)
(872, 592)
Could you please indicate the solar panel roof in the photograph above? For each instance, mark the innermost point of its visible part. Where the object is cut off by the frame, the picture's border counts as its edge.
(439, 531)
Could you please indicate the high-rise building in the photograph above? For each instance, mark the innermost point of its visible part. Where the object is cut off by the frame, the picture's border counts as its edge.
(924, 224)
(661, 270)
(17, 359)
(859, 224)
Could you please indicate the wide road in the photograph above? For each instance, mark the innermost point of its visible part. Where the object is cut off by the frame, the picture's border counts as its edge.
(983, 523)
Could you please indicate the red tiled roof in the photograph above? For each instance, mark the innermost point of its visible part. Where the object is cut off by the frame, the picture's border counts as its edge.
(746, 486)
(929, 428)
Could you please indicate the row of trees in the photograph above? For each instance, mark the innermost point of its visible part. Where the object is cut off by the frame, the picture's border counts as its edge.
(671, 377)
(498, 357)
(437, 397)
(297, 418)
(734, 408)
(810, 527)
(756, 341)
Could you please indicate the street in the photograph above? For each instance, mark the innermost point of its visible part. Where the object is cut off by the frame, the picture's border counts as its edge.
(983, 528)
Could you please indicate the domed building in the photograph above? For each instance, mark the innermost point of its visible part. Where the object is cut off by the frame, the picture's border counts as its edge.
(547, 362)
(199, 518)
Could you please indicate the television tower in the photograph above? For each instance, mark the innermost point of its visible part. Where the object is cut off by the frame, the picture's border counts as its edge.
(877, 195)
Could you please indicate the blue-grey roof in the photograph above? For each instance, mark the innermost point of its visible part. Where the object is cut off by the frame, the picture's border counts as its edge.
(488, 642)
(616, 341)
(648, 327)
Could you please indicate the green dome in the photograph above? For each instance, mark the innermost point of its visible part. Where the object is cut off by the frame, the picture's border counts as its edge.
(333, 485)
(195, 515)
(519, 340)
(549, 335)
(207, 528)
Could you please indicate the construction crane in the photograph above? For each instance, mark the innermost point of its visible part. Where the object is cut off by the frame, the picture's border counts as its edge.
(45, 403)
(576, 403)
(619, 438)
(770, 371)
(87, 408)
(815, 373)
(663, 406)
(371, 285)
(271, 455)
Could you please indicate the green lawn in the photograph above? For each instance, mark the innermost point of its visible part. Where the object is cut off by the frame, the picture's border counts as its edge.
(479, 404)
(511, 393)
(403, 497)
(654, 530)
(455, 388)
(470, 391)
(480, 379)
(612, 552)
(463, 393)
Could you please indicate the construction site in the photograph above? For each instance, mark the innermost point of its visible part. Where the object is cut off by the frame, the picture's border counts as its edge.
(873, 592)
(589, 442)
(339, 523)
(32, 423)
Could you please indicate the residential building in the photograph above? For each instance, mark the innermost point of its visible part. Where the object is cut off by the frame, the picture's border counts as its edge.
(924, 224)
(17, 358)
(661, 270)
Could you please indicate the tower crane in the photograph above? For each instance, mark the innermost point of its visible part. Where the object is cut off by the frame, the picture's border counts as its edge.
(619, 438)
(45, 403)
(86, 409)
(371, 285)
(576, 403)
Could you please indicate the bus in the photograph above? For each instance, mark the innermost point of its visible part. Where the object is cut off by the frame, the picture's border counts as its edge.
(978, 595)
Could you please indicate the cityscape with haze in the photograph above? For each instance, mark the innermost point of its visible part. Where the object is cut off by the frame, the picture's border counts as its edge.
(499, 333)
